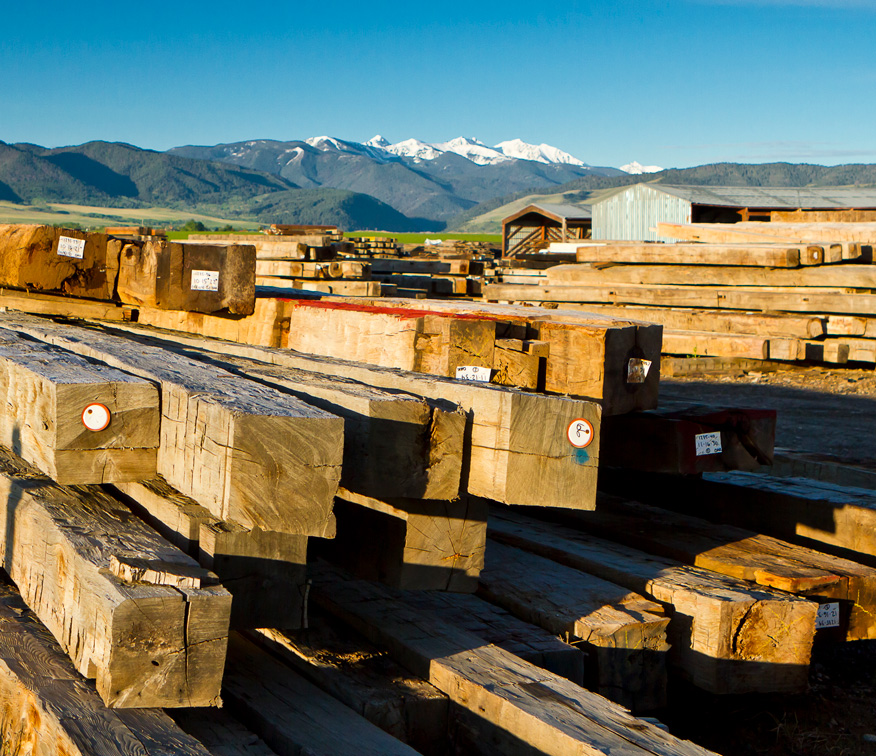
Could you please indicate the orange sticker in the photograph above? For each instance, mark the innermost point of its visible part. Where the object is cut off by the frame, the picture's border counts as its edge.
(580, 433)
(96, 417)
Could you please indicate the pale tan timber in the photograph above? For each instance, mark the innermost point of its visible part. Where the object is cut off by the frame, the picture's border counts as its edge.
(676, 366)
(589, 354)
(294, 286)
(411, 544)
(726, 636)
(31, 258)
(823, 467)
(860, 350)
(848, 276)
(513, 366)
(761, 252)
(359, 675)
(395, 444)
(818, 231)
(292, 715)
(197, 277)
(265, 327)
(624, 633)
(851, 325)
(513, 701)
(331, 269)
(518, 451)
(812, 300)
(45, 394)
(256, 566)
(743, 554)
(837, 519)
(247, 452)
(716, 344)
(53, 304)
(719, 321)
(220, 733)
(829, 350)
(496, 625)
(49, 709)
(822, 216)
(146, 644)
(424, 266)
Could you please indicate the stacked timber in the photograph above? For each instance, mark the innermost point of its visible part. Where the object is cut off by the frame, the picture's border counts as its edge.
(779, 291)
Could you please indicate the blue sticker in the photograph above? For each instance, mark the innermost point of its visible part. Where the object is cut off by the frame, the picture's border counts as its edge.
(581, 456)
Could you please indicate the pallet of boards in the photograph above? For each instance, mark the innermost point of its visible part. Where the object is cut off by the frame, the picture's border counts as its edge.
(615, 363)
(517, 446)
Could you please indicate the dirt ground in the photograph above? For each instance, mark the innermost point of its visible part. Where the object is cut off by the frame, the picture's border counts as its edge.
(830, 411)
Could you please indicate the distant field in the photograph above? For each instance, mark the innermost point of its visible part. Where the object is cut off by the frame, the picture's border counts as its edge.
(420, 238)
(100, 217)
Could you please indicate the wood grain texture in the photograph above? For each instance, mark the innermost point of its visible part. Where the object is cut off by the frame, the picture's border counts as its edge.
(220, 733)
(726, 636)
(258, 567)
(249, 453)
(164, 274)
(363, 677)
(48, 709)
(746, 555)
(44, 392)
(516, 449)
(623, 633)
(29, 259)
(761, 252)
(412, 544)
(146, 644)
(514, 701)
(293, 716)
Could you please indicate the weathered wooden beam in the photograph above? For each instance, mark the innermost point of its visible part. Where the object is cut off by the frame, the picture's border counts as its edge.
(824, 467)
(726, 636)
(395, 444)
(77, 421)
(759, 252)
(220, 733)
(256, 566)
(410, 543)
(512, 701)
(59, 259)
(293, 716)
(147, 644)
(249, 453)
(689, 440)
(364, 678)
(623, 633)
(790, 299)
(838, 584)
(517, 451)
(195, 277)
(836, 519)
(48, 708)
(53, 304)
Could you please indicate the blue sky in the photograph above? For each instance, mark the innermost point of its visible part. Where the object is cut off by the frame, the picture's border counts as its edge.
(673, 83)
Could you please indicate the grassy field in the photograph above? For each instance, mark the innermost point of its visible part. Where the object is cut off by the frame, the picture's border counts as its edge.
(93, 218)
(420, 238)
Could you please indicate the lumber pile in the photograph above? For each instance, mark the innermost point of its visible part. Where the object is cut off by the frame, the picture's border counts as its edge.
(777, 291)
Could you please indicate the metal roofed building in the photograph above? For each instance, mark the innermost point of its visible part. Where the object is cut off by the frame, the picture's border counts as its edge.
(535, 226)
(633, 212)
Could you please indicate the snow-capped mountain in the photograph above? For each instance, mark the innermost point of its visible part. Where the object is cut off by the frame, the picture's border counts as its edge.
(542, 153)
(636, 168)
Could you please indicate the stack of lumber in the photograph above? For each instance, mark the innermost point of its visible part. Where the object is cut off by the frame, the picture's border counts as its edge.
(779, 291)
(375, 245)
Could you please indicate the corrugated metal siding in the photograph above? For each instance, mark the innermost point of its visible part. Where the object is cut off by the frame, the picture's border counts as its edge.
(631, 214)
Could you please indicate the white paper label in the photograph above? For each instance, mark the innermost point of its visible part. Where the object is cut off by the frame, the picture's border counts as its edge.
(637, 370)
(70, 247)
(473, 373)
(828, 615)
(96, 417)
(205, 280)
(580, 433)
(708, 443)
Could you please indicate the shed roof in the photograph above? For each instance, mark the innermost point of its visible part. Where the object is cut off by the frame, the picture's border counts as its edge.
(778, 198)
(555, 212)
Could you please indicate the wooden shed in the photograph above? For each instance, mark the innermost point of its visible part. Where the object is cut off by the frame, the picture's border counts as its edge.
(632, 212)
(535, 226)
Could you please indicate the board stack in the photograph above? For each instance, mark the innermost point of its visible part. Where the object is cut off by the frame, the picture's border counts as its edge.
(757, 290)
(368, 525)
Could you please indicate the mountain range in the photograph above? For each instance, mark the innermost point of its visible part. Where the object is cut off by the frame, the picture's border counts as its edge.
(407, 186)
(430, 182)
